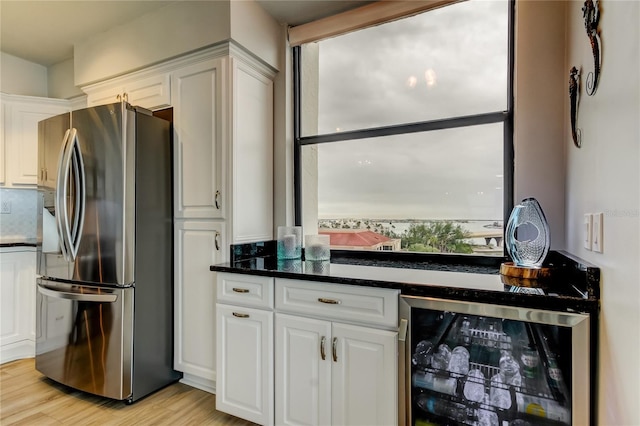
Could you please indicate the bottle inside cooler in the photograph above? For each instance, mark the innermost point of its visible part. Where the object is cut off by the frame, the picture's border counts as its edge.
(477, 370)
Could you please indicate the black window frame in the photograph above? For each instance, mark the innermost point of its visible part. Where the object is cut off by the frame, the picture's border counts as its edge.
(505, 117)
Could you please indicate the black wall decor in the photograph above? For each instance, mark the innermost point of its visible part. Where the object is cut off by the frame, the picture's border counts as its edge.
(591, 14)
(574, 90)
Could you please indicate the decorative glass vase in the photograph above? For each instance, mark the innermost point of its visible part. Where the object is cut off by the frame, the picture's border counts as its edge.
(527, 234)
(289, 243)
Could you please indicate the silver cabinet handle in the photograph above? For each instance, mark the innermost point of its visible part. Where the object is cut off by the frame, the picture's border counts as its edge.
(216, 242)
(238, 315)
(322, 354)
(329, 301)
(334, 348)
(240, 290)
(216, 200)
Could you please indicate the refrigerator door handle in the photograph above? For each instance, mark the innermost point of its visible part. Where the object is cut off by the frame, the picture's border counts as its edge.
(82, 297)
(60, 202)
(80, 196)
(71, 168)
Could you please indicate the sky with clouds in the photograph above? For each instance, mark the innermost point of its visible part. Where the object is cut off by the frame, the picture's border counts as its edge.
(444, 63)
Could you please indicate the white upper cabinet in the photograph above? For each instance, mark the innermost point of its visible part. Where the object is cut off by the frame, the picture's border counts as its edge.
(197, 98)
(252, 153)
(148, 91)
(19, 146)
(222, 101)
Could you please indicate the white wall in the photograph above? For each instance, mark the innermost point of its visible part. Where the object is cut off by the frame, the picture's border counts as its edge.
(256, 30)
(20, 77)
(60, 81)
(283, 209)
(174, 30)
(540, 88)
(171, 31)
(603, 176)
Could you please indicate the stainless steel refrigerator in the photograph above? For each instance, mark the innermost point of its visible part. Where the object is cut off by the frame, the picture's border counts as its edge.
(105, 255)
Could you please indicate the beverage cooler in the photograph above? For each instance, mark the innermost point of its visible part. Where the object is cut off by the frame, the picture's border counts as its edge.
(466, 363)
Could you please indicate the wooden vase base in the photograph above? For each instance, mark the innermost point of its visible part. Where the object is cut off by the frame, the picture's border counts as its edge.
(510, 270)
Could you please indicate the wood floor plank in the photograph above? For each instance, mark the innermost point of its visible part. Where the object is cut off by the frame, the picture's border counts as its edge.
(28, 398)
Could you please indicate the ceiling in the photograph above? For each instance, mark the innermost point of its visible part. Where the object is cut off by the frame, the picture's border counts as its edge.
(44, 31)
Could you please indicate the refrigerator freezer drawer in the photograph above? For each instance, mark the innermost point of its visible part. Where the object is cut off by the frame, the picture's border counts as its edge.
(86, 337)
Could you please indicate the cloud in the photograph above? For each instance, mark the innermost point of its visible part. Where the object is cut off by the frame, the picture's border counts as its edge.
(445, 63)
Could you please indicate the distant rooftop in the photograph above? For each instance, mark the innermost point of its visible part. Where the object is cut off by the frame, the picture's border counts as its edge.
(359, 238)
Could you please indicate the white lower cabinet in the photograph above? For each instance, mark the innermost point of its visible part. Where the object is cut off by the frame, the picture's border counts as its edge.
(245, 363)
(294, 352)
(334, 373)
(18, 298)
(197, 245)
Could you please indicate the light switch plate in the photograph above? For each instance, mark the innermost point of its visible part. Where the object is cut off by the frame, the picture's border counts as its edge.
(597, 232)
(586, 231)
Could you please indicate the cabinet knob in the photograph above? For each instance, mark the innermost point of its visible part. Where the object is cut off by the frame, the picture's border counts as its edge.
(240, 290)
(216, 200)
(216, 242)
(239, 315)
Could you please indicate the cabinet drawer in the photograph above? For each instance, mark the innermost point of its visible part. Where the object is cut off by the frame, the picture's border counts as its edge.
(245, 290)
(364, 305)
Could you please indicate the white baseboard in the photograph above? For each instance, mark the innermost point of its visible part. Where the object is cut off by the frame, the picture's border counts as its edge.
(17, 350)
(199, 383)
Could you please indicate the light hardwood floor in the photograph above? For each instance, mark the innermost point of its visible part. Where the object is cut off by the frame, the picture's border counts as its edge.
(29, 398)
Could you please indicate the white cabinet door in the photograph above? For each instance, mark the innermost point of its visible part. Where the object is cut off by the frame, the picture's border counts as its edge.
(303, 371)
(18, 297)
(21, 136)
(252, 136)
(3, 150)
(104, 96)
(364, 376)
(10, 292)
(197, 245)
(198, 99)
(333, 373)
(151, 92)
(244, 385)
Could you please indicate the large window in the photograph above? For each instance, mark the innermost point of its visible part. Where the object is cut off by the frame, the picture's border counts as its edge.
(404, 132)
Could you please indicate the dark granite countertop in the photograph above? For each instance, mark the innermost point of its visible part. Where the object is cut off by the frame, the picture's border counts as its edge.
(573, 286)
(27, 242)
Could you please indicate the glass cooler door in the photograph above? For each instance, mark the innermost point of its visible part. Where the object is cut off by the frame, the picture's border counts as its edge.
(480, 364)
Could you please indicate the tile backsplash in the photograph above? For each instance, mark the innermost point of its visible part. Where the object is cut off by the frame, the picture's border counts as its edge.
(21, 222)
